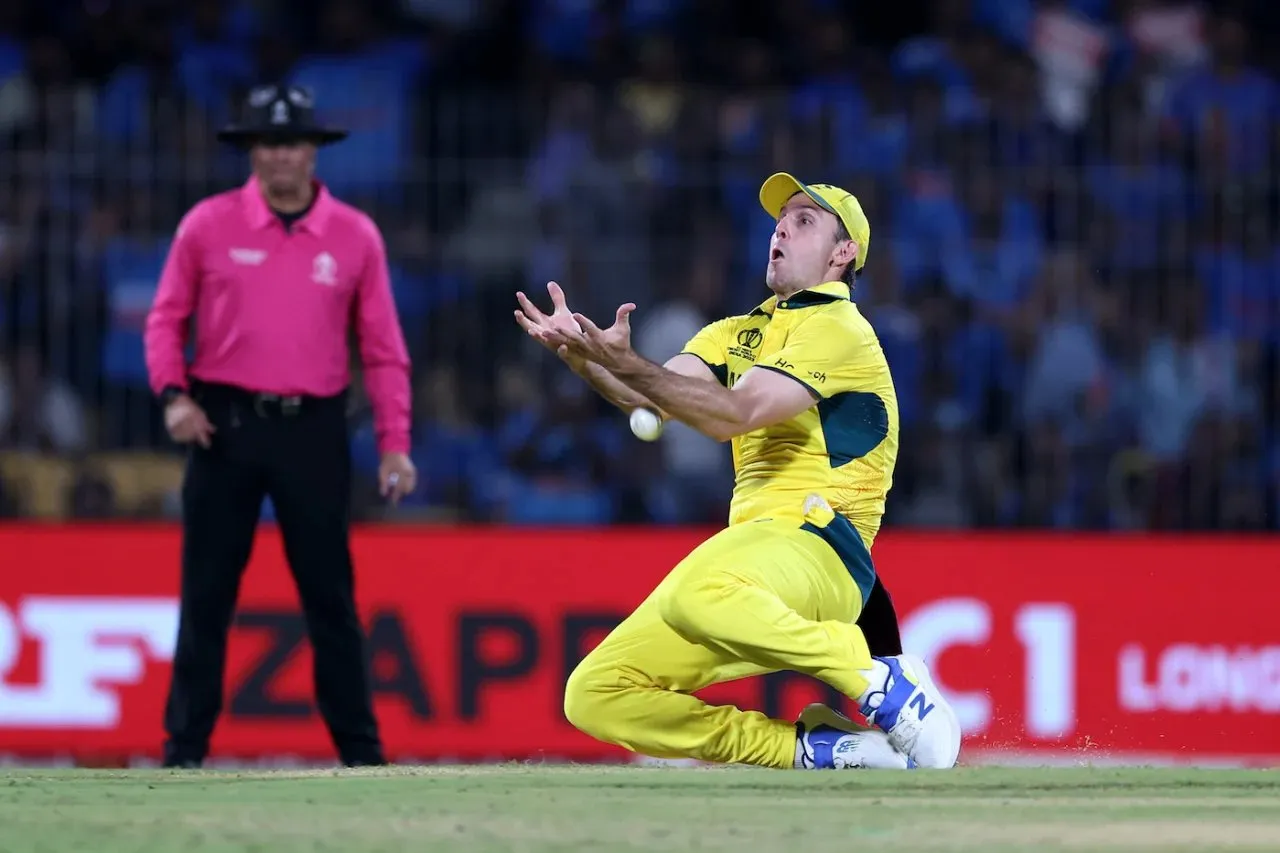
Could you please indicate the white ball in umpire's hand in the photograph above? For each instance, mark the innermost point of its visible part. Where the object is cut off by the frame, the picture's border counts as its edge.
(646, 425)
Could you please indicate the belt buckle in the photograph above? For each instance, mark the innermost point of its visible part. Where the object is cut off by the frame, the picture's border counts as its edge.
(288, 406)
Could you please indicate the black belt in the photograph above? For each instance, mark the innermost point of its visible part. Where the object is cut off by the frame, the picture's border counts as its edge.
(287, 406)
(265, 404)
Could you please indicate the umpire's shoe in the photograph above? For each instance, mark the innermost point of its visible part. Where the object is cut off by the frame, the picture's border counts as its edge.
(181, 764)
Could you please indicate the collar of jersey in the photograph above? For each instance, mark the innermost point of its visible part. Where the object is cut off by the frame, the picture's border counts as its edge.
(819, 294)
(260, 216)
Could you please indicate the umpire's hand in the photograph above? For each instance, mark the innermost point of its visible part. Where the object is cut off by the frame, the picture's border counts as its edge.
(187, 422)
(397, 476)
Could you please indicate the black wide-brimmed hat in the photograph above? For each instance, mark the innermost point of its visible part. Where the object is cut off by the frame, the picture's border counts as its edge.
(279, 113)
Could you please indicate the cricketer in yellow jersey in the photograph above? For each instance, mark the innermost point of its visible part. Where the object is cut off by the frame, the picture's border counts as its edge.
(801, 388)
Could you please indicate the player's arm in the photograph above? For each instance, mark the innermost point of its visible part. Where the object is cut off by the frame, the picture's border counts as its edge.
(760, 399)
(702, 359)
(627, 398)
(558, 331)
(695, 361)
(790, 382)
(702, 400)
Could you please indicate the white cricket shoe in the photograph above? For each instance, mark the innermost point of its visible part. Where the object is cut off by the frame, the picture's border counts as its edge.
(917, 719)
(831, 741)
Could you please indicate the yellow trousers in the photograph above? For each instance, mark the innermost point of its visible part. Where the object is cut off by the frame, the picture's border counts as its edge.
(755, 598)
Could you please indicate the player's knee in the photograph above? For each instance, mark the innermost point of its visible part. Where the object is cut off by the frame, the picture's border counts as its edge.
(586, 700)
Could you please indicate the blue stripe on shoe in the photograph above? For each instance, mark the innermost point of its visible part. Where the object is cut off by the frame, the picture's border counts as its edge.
(895, 698)
(823, 741)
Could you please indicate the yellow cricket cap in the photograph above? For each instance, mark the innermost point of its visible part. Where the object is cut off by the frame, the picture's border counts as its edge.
(780, 187)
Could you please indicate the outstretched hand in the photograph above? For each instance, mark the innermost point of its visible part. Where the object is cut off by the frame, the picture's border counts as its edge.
(574, 337)
(550, 330)
(610, 348)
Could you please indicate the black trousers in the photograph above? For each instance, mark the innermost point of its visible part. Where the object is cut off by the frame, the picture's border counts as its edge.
(879, 623)
(300, 457)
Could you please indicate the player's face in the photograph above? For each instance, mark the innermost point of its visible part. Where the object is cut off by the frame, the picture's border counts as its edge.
(804, 248)
(284, 168)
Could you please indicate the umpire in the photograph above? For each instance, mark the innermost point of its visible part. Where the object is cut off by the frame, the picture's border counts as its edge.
(274, 274)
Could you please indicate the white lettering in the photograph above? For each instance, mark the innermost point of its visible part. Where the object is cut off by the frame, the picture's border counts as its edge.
(932, 629)
(249, 257)
(1135, 693)
(1048, 633)
(85, 646)
(1186, 678)
(1178, 677)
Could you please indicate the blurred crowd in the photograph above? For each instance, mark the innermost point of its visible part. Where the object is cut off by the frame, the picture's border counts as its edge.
(1074, 269)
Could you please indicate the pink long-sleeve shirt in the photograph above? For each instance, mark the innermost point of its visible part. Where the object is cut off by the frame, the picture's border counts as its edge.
(273, 307)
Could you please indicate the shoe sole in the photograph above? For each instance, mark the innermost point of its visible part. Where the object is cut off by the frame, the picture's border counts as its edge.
(925, 679)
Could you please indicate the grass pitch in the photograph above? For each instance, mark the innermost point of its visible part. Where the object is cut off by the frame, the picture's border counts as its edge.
(533, 809)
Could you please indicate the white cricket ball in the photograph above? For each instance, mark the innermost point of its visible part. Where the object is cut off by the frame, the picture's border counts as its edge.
(646, 425)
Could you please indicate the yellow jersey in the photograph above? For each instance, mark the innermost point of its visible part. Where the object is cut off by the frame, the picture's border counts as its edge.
(843, 448)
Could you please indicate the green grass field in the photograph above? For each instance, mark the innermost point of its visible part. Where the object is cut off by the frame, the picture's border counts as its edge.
(550, 808)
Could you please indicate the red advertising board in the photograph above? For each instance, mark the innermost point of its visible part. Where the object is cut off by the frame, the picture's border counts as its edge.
(1072, 648)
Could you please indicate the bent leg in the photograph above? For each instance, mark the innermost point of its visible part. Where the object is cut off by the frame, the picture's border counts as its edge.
(633, 690)
(752, 599)
(774, 595)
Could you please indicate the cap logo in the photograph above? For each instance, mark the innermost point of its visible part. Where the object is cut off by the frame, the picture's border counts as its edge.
(830, 188)
(279, 111)
(262, 96)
